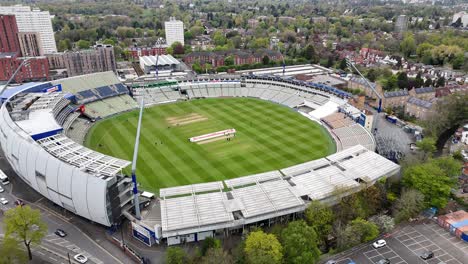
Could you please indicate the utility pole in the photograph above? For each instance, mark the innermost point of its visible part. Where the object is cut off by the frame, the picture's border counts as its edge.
(136, 201)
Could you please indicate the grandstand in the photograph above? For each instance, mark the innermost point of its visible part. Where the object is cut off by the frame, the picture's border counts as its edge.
(348, 132)
(33, 122)
(193, 212)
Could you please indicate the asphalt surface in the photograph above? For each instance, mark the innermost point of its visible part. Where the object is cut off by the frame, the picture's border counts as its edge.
(405, 246)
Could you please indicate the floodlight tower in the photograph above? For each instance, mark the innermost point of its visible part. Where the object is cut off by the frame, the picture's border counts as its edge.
(23, 63)
(136, 200)
(158, 46)
(353, 68)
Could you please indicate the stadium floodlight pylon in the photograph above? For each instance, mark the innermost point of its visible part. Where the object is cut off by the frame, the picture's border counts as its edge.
(24, 62)
(134, 161)
(353, 68)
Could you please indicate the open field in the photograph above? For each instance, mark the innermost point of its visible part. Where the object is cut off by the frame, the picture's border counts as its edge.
(269, 136)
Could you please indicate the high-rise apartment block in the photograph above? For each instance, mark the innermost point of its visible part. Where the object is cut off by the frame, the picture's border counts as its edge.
(33, 21)
(174, 31)
(30, 44)
(36, 68)
(8, 34)
(401, 24)
(99, 59)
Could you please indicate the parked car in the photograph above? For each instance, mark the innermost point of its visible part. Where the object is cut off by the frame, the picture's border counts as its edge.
(3, 201)
(331, 262)
(60, 233)
(383, 261)
(1, 189)
(427, 255)
(80, 258)
(379, 243)
(19, 202)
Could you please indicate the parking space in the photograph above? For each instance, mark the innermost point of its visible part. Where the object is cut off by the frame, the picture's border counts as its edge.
(406, 245)
(418, 244)
(67, 245)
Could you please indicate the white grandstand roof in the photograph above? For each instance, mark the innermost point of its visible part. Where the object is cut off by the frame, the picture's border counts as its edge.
(368, 166)
(269, 198)
(305, 167)
(39, 121)
(191, 189)
(323, 183)
(256, 178)
(194, 212)
(163, 60)
(73, 153)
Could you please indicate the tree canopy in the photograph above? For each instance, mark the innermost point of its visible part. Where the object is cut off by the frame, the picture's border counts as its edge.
(434, 179)
(262, 248)
(300, 243)
(24, 225)
(320, 217)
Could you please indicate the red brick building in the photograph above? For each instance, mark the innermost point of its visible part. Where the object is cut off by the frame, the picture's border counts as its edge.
(216, 58)
(35, 69)
(146, 51)
(8, 34)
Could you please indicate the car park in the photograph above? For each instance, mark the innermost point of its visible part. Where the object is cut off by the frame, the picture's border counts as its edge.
(383, 261)
(3, 201)
(427, 255)
(60, 233)
(80, 258)
(379, 243)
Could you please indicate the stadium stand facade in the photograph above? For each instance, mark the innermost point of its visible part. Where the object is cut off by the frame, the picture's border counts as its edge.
(34, 124)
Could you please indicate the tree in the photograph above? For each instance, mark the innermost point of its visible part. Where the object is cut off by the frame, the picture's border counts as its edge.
(372, 75)
(175, 255)
(408, 45)
(320, 217)
(11, 252)
(343, 65)
(427, 146)
(356, 232)
(217, 256)
(209, 243)
(418, 81)
(402, 80)
(229, 60)
(261, 248)
(391, 83)
(431, 180)
(384, 222)
(309, 54)
(24, 225)
(428, 82)
(299, 243)
(265, 60)
(410, 203)
(83, 44)
(177, 48)
(440, 82)
(64, 44)
(219, 39)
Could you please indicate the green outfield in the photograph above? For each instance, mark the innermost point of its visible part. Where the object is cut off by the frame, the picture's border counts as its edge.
(269, 136)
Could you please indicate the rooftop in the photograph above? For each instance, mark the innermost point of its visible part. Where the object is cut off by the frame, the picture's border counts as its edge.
(419, 102)
(397, 93)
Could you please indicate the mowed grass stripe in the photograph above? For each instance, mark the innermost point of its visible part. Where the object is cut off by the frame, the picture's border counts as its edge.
(269, 137)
